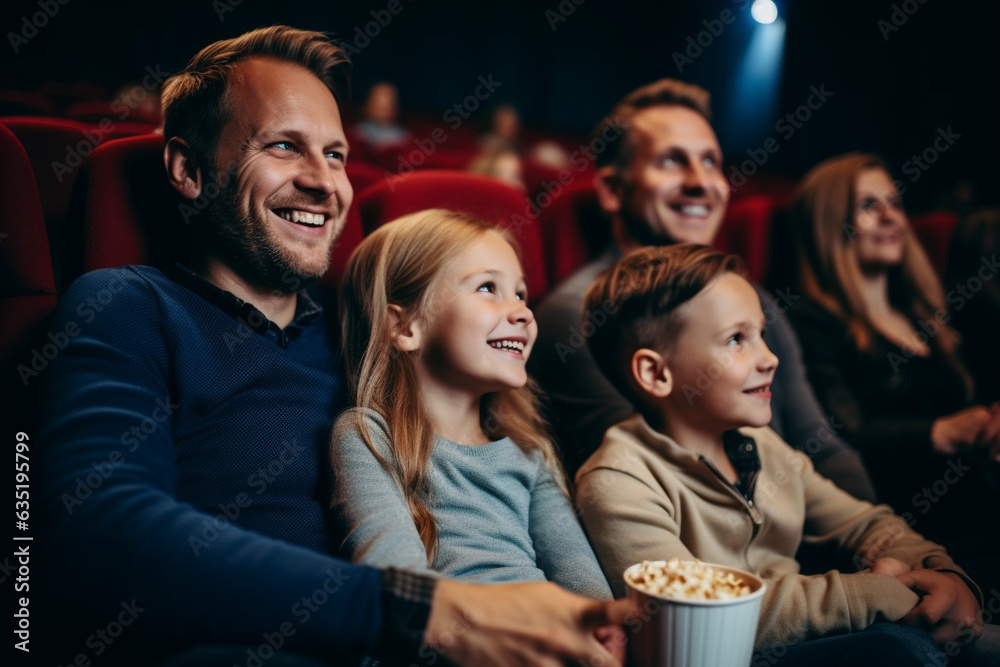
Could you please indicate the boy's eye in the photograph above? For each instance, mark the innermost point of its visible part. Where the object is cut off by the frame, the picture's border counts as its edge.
(337, 155)
(710, 162)
(735, 339)
(488, 286)
(522, 295)
(284, 145)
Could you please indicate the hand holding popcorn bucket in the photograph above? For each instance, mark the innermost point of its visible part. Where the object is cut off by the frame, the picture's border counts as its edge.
(693, 614)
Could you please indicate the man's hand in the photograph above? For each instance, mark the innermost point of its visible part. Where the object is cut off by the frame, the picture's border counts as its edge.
(522, 624)
(947, 608)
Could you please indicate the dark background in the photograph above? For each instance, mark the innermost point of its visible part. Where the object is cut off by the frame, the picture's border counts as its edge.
(891, 92)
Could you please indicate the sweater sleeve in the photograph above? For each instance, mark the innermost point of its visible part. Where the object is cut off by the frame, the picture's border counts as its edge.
(562, 551)
(635, 522)
(823, 339)
(372, 514)
(123, 537)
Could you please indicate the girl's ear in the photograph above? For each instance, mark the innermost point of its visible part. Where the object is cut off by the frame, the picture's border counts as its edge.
(651, 373)
(404, 331)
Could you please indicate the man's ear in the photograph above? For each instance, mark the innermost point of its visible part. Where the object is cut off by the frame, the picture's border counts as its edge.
(404, 332)
(651, 373)
(607, 184)
(182, 171)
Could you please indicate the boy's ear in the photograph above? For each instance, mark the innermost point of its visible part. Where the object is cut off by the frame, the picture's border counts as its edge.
(182, 172)
(651, 373)
(607, 184)
(404, 332)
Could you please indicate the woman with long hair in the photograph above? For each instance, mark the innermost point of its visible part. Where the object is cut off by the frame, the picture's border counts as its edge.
(883, 357)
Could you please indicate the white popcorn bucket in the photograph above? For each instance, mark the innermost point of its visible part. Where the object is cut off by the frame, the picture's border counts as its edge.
(673, 632)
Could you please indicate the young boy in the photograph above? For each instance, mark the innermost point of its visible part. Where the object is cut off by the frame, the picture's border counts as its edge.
(697, 474)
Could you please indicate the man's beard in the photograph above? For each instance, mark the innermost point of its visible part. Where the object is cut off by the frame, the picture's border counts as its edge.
(640, 231)
(241, 238)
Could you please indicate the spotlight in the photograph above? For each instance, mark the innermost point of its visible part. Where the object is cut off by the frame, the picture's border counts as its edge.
(764, 11)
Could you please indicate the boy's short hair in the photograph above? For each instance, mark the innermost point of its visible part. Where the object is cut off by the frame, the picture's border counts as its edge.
(634, 304)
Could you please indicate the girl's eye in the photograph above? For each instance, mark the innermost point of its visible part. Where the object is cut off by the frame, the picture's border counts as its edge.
(735, 339)
(522, 295)
(488, 286)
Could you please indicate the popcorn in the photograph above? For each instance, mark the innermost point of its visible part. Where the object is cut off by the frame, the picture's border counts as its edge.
(687, 580)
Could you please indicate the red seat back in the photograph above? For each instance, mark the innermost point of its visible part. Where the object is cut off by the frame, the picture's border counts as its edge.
(477, 195)
(934, 230)
(574, 230)
(746, 231)
(124, 211)
(27, 286)
(57, 148)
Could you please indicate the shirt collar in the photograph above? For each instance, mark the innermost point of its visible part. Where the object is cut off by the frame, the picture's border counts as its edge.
(306, 309)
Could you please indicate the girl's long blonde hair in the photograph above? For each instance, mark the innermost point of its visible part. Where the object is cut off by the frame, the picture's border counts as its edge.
(398, 264)
(823, 229)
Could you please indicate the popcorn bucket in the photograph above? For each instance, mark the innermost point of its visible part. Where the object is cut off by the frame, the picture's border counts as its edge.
(672, 631)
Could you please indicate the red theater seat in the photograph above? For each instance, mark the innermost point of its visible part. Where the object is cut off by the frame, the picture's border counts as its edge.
(124, 211)
(362, 174)
(746, 231)
(57, 148)
(27, 286)
(934, 231)
(573, 229)
(478, 195)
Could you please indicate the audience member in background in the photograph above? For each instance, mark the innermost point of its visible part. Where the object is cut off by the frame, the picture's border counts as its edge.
(445, 465)
(197, 406)
(502, 162)
(973, 296)
(379, 128)
(504, 129)
(884, 359)
(699, 475)
(661, 181)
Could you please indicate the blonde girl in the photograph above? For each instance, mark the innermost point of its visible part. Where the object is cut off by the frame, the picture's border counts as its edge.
(445, 464)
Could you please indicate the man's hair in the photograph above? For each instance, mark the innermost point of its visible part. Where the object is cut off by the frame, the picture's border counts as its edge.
(614, 129)
(635, 304)
(195, 102)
